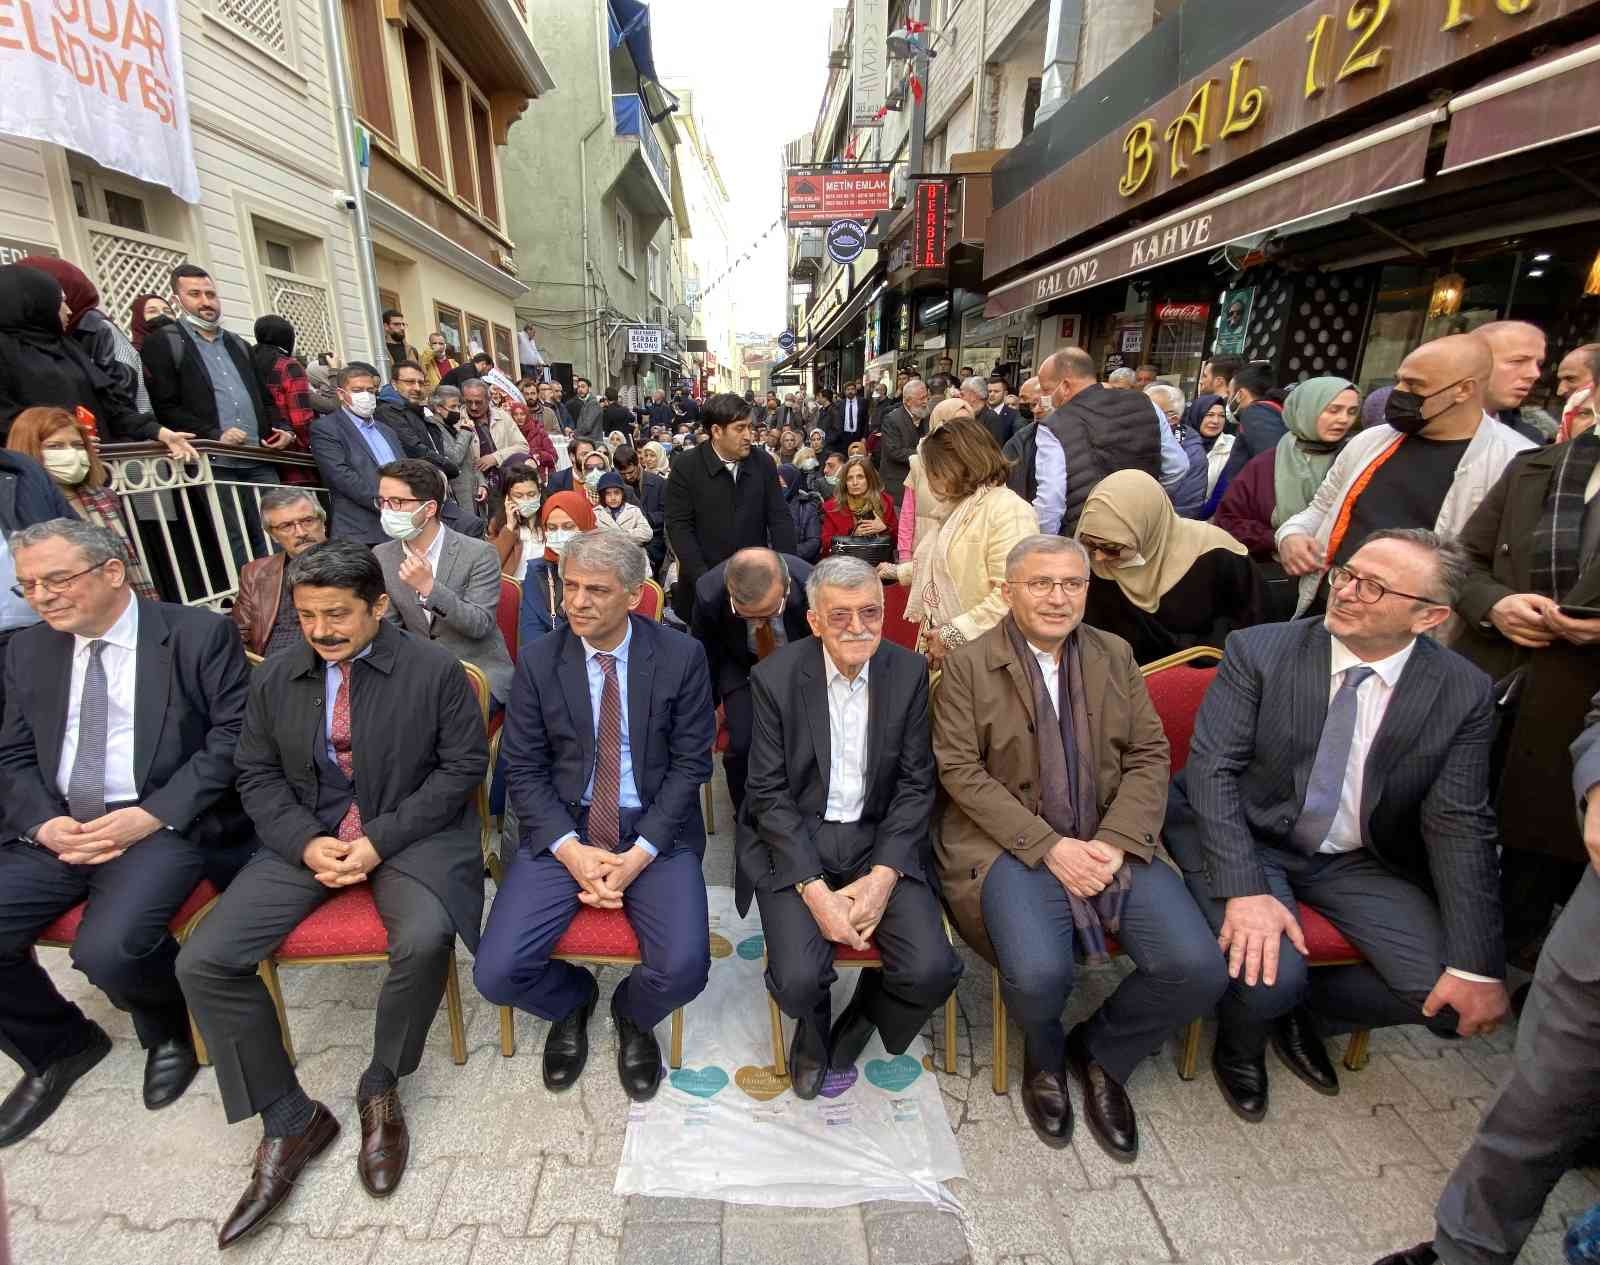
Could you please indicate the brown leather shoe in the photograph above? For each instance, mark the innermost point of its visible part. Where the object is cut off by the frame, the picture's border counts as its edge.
(279, 1162)
(385, 1143)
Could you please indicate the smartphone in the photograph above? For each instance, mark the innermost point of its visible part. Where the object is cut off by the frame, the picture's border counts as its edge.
(1581, 612)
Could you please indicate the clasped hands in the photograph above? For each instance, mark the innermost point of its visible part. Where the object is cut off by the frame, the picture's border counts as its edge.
(602, 876)
(337, 863)
(850, 914)
(98, 841)
(1083, 867)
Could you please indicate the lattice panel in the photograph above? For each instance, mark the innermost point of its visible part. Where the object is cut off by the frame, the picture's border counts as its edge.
(305, 305)
(260, 21)
(127, 267)
(1325, 330)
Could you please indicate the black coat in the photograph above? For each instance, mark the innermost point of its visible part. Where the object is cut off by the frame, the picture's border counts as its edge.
(407, 421)
(998, 423)
(181, 393)
(188, 707)
(651, 497)
(1020, 450)
(710, 518)
(27, 494)
(1221, 592)
(726, 637)
(420, 754)
(1101, 431)
(901, 433)
(786, 792)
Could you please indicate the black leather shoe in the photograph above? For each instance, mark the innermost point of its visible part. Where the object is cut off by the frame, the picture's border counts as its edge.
(808, 1060)
(168, 1069)
(1243, 1082)
(566, 1049)
(1422, 1254)
(279, 1162)
(638, 1056)
(1105, 1103)
(1047, 1103)
(1299, 1045)
(853, 1029)
(35, 1098)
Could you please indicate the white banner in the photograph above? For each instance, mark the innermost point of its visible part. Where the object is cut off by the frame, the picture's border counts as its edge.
(869, 63)
(104, 78)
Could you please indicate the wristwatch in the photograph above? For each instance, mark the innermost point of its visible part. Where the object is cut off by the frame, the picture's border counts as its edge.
(800, 887)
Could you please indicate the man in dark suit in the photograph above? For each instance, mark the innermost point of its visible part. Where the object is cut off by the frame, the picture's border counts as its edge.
(359, 757)
(607, 743)
(349, 446)
(833, 839)
(846, 422)
(116, 760)
(1345, 762)
(744, 609)
(723, 496)
(1001, 417)
(901, 429)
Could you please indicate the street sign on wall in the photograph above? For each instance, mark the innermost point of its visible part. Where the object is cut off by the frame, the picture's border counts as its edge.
(821, 197)
(846, 241)
(644, 341)
(869, 62)
(928, 225)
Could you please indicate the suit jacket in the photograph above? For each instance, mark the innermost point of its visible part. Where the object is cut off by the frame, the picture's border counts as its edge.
(710, 518)
(901, 432)
(255, 609)
(549, 738)
(1424, 804)
(466, 594)
(351, 475)
(181, 394)
(28, 495)
(588, 419)
(786, 791)
(189, 702)
(997, 422)
(420, 754)
(726, 637)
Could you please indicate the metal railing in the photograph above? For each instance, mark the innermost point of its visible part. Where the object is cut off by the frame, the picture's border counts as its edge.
(196, 525)
(632, 119)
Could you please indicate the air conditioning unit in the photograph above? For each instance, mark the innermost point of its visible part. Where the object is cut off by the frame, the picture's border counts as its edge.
(809, 245)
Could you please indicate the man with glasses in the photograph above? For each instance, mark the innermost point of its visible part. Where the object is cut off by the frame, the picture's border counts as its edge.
(833, 840)
(1055, 766)
(1345, 762)
(264, 609)
(744, 610)
(117, 762)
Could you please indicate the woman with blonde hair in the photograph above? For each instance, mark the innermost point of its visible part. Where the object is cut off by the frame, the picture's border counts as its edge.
(53, 438)
(921, 511)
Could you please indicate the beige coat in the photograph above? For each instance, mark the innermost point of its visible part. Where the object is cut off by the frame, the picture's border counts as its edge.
(983, 739)
(987, 531)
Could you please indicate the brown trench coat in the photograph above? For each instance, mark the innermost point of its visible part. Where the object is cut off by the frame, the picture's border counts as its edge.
(988, 758)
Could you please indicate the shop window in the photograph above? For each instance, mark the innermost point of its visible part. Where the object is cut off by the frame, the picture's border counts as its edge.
(478, 335)
(424, 105)
(364, 36)
(483, 143)
(1400, 321)
(457, 139)
(504, 356)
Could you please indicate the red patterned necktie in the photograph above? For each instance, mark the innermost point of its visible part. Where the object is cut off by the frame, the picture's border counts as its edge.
(604, 813)
(339, 739)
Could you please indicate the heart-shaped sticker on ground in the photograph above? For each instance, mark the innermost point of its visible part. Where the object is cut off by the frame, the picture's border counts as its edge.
(721, 946)
(761, 1083)
(702, 1082)
(752, 947)
(893, 1075)
(836, 1082)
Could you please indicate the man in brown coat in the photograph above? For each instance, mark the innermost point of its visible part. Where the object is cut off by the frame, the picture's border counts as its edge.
(1055, 764)
(264, 608)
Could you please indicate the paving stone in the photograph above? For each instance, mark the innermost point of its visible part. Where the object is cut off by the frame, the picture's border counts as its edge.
(300, 1247)
(395, 1248)
(1210, 1215)
(927, 1236)
(497, 1248)
(1445, 1080)
(681, 1242)
(1020, 1221)
(181, 1243)
(35, 1239)
(650, 1208)
(1204, 1148)
(569, 1193)
(410, 1209)
(487, 1192)
(590, 1247)
(1371, 1142)
(993, 1152)
(1116, 1224)
(1446, 1134)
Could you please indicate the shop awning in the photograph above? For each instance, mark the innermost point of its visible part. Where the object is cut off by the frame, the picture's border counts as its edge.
(1554, 99)
(1335, 179)
(868, 293)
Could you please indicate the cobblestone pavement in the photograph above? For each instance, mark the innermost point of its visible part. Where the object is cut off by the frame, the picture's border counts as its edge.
(503, 1172)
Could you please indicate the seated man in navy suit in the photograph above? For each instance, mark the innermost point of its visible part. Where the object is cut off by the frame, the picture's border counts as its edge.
(607, 742)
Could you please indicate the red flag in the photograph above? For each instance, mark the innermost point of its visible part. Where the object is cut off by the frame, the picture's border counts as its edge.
(916, 88)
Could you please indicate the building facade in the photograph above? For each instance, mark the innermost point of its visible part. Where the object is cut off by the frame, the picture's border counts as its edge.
(706, 254)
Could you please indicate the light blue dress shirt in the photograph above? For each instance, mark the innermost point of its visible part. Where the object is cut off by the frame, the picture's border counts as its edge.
(1050, 471)
(330, 683)
(373, 438)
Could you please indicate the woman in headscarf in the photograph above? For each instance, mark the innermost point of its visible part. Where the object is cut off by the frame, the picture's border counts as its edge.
(561, 517)
(1162, 583)
(108, 348)
(53, 438)
(1320, 415)
(282, 377)
(921, 511)
(150, 311)
(1577, 416)
(1210, 420)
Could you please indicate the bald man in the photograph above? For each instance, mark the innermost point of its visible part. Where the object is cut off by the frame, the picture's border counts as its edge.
(1519, 350)
(1430, 465)
(1579, 370)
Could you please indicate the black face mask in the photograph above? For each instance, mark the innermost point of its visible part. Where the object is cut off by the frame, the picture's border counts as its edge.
(1403, 409)
(1025, 412)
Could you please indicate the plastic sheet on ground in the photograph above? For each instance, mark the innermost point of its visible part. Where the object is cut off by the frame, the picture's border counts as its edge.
(725, 1127)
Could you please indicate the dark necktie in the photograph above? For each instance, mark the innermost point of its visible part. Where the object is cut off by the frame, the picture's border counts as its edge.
(86, 789)
(339, 740)
(850, 417)
(1326, 783)
(766, 642)
(604, 812)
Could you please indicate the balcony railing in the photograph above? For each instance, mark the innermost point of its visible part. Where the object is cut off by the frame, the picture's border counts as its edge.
(631, 118)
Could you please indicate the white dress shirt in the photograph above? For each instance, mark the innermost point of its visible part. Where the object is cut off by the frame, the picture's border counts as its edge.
(847, 742)
(1372, 701)
(850, 416)
(120, 661)
(432, 554)
(1050, 665)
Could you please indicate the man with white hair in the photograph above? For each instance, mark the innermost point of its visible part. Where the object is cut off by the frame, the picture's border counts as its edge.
(833, 840)
(1189, 492)
(902, 428)
(975, 391)
(1123, 380)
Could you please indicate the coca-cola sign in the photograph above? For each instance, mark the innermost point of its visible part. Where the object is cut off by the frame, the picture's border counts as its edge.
(1182, 311)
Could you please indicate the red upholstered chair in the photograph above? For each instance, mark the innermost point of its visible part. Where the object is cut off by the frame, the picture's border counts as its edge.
(598, 937)
(62, 933)
(719, 746)
(508, 613)
(651, 602)
(895, 627)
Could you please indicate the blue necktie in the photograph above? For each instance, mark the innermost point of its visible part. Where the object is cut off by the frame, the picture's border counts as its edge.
(1328, 770)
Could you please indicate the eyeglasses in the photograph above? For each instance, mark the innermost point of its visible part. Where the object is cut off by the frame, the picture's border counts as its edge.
(395, 502)
(842, 621)
(55, 585)
(1368, 591)
(1044, 587)
(1108, 547)
(295, 527)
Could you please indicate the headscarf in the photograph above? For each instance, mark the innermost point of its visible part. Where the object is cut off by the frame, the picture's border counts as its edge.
(274, 338)
(78, 289)
(790, 474)
(1569, 414)
(1303, 458)
(577, 507)
(1130, 508)
(138, 327)
(1194, 415)
(1373, 406)
(947, 411)
(30, 306)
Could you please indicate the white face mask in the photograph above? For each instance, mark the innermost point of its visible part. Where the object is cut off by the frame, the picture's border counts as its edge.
(363, 403)
(67, 465)
(557, 541)
(200, 322)
(592, 479)
(402, 524)
(526, 510)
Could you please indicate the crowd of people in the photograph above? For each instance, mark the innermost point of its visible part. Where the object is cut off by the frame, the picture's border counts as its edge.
(919, 612)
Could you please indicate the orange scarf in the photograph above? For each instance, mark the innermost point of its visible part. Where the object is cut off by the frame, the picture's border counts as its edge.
(1341, 525)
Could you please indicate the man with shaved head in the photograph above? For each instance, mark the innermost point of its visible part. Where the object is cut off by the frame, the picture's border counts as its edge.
(1579, 370)
(1518, 349)
(1430, 465)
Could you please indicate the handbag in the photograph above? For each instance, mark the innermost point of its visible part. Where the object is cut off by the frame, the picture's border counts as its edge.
(869, 549)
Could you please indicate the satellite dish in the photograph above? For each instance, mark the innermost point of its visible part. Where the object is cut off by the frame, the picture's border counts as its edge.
(683, 312)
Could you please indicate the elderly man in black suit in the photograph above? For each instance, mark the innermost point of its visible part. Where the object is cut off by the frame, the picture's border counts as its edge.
(744, 609)
(116, 761)
(1345, 762)
(350, 446)
(833, 840)
(359, 757)
(723, 496)
(901, 429)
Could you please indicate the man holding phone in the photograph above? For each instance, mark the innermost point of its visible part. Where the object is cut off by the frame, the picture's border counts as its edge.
(1532, 613)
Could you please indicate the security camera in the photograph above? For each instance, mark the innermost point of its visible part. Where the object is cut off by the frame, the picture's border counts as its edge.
(344, 201)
